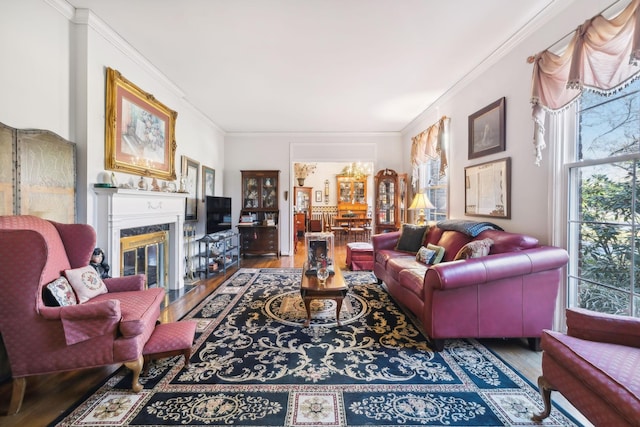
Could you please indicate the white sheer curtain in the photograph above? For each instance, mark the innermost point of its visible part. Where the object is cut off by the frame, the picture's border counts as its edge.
(602, 55)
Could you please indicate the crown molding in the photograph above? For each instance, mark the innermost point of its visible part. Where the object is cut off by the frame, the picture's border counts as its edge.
(534, 24)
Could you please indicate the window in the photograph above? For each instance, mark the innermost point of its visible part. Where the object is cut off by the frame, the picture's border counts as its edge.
(435, 187)
(603, 228)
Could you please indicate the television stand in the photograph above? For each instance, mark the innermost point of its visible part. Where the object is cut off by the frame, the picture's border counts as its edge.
(217, 252)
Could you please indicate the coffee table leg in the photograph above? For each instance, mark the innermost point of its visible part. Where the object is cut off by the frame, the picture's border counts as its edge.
(338, 307)
(307, 306)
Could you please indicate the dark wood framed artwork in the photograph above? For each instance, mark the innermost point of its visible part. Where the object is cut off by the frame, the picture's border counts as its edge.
(488, 189)
(487, 130)
(140, 131)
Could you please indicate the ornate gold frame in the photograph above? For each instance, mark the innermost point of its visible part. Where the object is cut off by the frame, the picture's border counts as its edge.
(126, 151)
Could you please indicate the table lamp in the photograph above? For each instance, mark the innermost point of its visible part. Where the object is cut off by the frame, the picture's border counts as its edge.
(421, 202)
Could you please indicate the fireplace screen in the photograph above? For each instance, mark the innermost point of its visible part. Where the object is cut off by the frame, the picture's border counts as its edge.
(146, 254)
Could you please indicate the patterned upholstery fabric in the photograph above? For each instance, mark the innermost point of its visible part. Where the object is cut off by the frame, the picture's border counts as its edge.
(599, 377)
(35, 252)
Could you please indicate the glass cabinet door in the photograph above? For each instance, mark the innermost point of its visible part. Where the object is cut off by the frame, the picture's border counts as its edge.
(269, 194)
(250, 192)
(386, 202)
(359, 194)
(344, 191)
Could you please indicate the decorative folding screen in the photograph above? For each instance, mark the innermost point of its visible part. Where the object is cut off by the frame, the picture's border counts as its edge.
(37, 174)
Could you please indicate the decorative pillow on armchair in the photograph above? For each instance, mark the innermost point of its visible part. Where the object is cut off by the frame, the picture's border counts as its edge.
(411, 237)
(86, 282)
(474, 249)
(59, 293)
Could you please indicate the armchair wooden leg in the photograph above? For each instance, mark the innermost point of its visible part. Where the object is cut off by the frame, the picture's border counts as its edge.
(136, 368)
(545, 392)
(17, 395)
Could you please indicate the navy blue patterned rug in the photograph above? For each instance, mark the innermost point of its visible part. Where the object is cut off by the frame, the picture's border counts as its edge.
(254, 364)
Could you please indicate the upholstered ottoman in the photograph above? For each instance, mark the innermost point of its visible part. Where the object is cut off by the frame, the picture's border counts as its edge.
(170, 339)
(360, 256)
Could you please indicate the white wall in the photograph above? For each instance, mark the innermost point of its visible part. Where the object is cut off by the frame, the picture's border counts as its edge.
(54, 79)
(509, 76)
(35, 76)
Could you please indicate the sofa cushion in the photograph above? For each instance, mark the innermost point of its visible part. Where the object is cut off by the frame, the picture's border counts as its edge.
(411, 237)
(439, 253)
(399, 263)
(474, 249)
(140, 310)
(609, 368)
(425, 255)
(86, 282)
(59, 293)
(504, 241)
(452, 241)
(412, 279)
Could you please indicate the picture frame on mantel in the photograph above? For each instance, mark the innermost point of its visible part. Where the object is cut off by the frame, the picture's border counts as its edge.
(488, 189)
(140, 131)
(190, 169)
(487, 130)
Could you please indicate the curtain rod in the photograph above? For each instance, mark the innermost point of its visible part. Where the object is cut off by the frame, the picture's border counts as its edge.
(532, 58)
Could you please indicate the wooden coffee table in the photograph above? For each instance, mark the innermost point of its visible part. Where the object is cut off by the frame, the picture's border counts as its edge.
(334, 288)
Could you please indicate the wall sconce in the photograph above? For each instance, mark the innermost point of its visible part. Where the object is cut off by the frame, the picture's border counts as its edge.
(326, 191)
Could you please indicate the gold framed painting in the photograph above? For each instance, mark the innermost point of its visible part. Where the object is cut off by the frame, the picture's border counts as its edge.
(140, 131)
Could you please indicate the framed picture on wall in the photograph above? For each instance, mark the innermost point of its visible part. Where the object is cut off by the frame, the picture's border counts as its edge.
(208, 182)
(318, 196)
(190, 169)
(487, 189)
(487, 130)
(140, 131)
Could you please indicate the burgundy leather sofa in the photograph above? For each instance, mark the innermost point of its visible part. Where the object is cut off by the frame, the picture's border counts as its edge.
(596, 366)
(509, 293)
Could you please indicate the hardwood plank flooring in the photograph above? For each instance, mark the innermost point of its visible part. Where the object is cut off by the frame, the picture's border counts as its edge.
(48, 396)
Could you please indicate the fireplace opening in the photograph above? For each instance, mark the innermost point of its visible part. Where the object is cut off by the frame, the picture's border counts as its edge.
(145, 250)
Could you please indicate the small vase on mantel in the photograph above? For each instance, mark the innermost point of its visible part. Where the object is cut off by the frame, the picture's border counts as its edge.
(301, 182)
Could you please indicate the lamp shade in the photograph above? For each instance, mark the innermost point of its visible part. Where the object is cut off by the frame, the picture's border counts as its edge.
(421, 201)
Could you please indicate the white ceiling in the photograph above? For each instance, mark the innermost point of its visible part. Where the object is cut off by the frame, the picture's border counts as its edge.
(315, 65)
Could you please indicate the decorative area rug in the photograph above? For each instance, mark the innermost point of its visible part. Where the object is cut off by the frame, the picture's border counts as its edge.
(254, 364)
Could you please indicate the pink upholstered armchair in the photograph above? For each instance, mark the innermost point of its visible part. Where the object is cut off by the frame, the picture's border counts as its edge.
(108, 329)
(596, 366)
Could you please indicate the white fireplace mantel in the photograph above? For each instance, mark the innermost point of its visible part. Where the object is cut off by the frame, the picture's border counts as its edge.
(119, 209)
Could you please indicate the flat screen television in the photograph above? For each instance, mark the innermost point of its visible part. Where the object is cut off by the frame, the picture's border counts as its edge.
(218, 214)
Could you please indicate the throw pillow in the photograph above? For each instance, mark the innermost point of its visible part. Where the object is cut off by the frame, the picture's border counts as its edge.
(411, 237)
(60, 293)
(86, 282)
(425, 255)
(439, 253)
(474, 249)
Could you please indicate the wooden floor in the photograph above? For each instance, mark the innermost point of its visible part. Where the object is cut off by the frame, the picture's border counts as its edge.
(48, 396)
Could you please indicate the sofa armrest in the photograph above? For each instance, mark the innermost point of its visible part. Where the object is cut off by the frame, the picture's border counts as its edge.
(125, 283)
(89, 320)
(474, 271)
(385, 240)
(601, 327)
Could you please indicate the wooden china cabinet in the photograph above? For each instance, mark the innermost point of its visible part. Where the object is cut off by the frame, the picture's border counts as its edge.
(258, 226)
(391, 200)
(352, 195)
